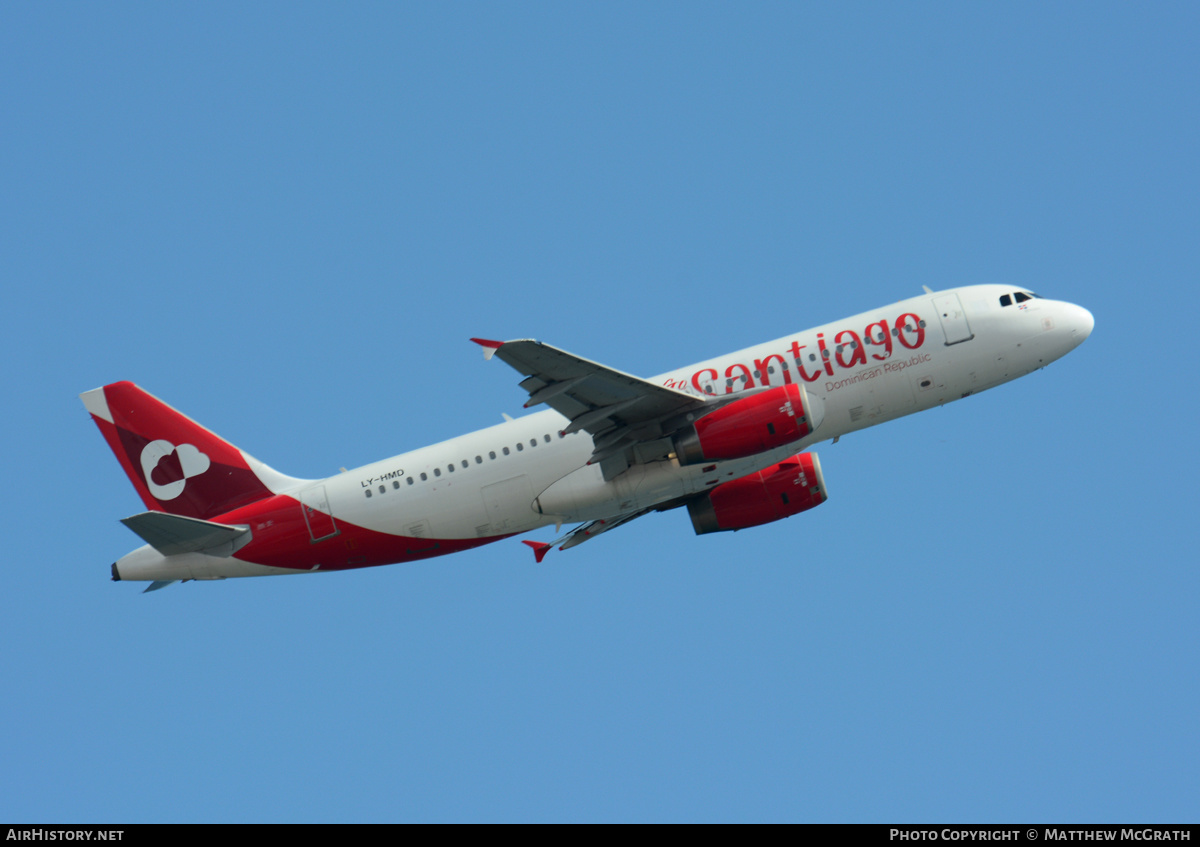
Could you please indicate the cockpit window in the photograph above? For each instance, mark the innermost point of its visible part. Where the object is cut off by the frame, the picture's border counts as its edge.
(1005, 300)
(1022, 296)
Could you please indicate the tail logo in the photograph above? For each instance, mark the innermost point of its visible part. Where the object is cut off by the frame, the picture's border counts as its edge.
(167, 468)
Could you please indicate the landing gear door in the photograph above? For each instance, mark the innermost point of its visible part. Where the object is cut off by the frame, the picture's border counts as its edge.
(953, 318)
(317, 514)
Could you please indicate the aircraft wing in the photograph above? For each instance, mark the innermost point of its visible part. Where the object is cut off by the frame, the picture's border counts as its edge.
(589, 530)
(629, 419)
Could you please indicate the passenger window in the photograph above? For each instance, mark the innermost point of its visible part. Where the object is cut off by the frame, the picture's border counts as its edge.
(506, 451)
(491, 454)
(1005, 300)
(437, 471)
(546, 438)
(396, 484)
(479, 460)
(520, 446)
(533, 442)
(464, 463)
(383, 489)
(410, 480)
(367, 492)
(424, 476)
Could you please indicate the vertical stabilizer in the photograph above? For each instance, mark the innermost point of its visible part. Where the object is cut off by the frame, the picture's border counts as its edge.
(175, 464)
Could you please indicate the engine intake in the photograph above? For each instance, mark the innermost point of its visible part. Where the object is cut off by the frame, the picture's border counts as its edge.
(793, 486)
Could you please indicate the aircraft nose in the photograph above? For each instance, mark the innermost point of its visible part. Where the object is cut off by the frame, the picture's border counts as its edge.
(1080, 322)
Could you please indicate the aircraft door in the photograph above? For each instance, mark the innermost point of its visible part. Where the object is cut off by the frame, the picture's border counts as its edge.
(314, 502)
(953, 318)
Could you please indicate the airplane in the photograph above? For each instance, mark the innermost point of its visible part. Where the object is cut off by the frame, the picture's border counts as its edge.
(728, 439)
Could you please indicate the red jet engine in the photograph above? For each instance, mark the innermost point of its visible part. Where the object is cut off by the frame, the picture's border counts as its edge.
(794, 485)
(754, 424)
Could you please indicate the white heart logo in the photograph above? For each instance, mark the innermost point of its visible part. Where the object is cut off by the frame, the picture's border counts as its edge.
(173, 473)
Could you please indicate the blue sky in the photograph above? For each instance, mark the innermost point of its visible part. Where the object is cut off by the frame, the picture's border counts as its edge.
(287, 219)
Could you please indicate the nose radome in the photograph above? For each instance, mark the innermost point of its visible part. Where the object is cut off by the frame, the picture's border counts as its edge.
(1082, 323)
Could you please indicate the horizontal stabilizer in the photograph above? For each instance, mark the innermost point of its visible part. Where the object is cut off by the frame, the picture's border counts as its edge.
(173, 534)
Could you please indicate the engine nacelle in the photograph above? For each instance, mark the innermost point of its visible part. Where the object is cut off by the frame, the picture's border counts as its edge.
(794, 485)
(753, 424)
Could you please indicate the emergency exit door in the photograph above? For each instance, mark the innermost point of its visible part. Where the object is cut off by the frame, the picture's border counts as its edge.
(953, 318)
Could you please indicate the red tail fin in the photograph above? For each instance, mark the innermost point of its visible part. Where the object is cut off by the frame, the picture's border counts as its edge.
(175, 464)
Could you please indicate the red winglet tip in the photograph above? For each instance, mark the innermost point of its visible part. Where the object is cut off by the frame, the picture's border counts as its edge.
(489, 347)
(539, 549)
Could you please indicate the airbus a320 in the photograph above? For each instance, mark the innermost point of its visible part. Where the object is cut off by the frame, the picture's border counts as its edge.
(728, 439)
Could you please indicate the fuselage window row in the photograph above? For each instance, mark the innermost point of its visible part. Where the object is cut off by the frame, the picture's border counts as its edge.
(533, 442)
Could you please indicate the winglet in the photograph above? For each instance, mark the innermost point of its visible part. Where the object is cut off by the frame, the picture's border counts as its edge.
(539, 549)
(489, 347)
